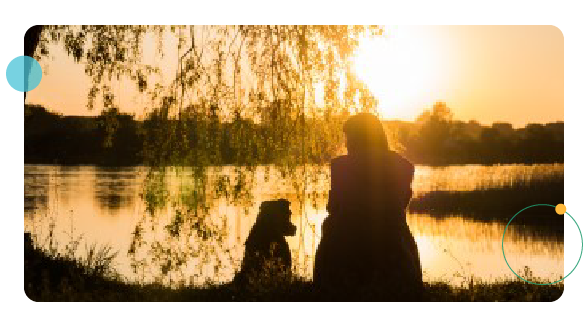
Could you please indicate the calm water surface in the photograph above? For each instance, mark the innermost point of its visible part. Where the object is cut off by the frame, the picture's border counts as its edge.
(152, 222)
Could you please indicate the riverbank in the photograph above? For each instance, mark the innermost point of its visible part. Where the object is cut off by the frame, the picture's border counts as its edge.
(55, 277)
(499, 203)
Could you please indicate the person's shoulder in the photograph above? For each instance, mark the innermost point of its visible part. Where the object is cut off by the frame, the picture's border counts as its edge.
(340, 161)
(341, 166)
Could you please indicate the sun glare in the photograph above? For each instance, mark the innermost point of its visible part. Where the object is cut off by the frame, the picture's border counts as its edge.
(400, 70)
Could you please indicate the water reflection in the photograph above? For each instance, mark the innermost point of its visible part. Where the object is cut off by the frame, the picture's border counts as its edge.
(184, 225)
(114, 189)
(455, 248)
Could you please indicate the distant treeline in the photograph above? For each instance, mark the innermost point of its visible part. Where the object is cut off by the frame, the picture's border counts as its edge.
(437, 139)
(113, 138)
(54, 139)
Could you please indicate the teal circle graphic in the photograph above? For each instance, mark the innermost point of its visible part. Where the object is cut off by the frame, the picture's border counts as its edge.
(546, 205)
(24, 73)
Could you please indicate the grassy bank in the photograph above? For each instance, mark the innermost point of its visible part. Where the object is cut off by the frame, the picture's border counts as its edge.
(497, 203)
(53, 277)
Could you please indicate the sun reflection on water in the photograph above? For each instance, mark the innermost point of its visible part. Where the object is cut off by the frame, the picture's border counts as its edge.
(451, 248)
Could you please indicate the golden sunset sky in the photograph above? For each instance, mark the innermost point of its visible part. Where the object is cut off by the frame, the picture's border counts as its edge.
(486, 73)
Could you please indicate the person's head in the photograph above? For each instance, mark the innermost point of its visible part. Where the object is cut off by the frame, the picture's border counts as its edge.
(364, 134)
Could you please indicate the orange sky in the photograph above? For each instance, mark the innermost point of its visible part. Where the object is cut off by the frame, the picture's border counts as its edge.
(486, 73)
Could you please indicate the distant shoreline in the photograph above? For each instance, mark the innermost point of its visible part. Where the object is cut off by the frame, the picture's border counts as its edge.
(232, 165)
(118, 140)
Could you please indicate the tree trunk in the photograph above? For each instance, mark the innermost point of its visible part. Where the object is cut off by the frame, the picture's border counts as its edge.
(31, 40)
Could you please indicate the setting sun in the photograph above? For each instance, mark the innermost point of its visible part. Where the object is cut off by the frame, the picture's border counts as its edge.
(401, 71)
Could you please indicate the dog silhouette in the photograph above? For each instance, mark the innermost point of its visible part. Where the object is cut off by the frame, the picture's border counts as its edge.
(267, 253)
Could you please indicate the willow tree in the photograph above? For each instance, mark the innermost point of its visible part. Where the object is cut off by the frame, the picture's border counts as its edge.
(273, 75)
(270, 94)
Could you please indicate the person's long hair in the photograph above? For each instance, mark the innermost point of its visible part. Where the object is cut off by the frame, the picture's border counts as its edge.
(365, 136)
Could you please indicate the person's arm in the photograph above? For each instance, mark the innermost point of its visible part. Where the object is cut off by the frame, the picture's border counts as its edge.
(339, 174)
(333, 204)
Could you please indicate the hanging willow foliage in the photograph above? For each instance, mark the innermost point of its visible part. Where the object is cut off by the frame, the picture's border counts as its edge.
(242, 95)
(267, 89)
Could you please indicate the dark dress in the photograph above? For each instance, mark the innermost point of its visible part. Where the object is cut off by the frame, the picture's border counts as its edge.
(365, 238)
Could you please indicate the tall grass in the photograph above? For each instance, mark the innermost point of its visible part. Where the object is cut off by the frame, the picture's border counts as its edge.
(50, 276)
(494, 202)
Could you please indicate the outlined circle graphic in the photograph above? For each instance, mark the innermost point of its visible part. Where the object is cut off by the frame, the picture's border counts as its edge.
(503, 252)
(24, 73)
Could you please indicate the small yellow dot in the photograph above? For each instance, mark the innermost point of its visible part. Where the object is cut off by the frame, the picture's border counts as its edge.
(560, 209)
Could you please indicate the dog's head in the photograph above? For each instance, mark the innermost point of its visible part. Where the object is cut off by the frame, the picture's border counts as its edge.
(276, 215)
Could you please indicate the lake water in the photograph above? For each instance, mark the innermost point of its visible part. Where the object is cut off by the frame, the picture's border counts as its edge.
(175, 227)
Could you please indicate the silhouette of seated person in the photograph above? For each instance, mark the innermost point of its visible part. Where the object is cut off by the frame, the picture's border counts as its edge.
(365, 240)
(267, 254)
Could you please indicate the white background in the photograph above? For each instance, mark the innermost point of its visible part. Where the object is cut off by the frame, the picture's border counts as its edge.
(17, 17)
